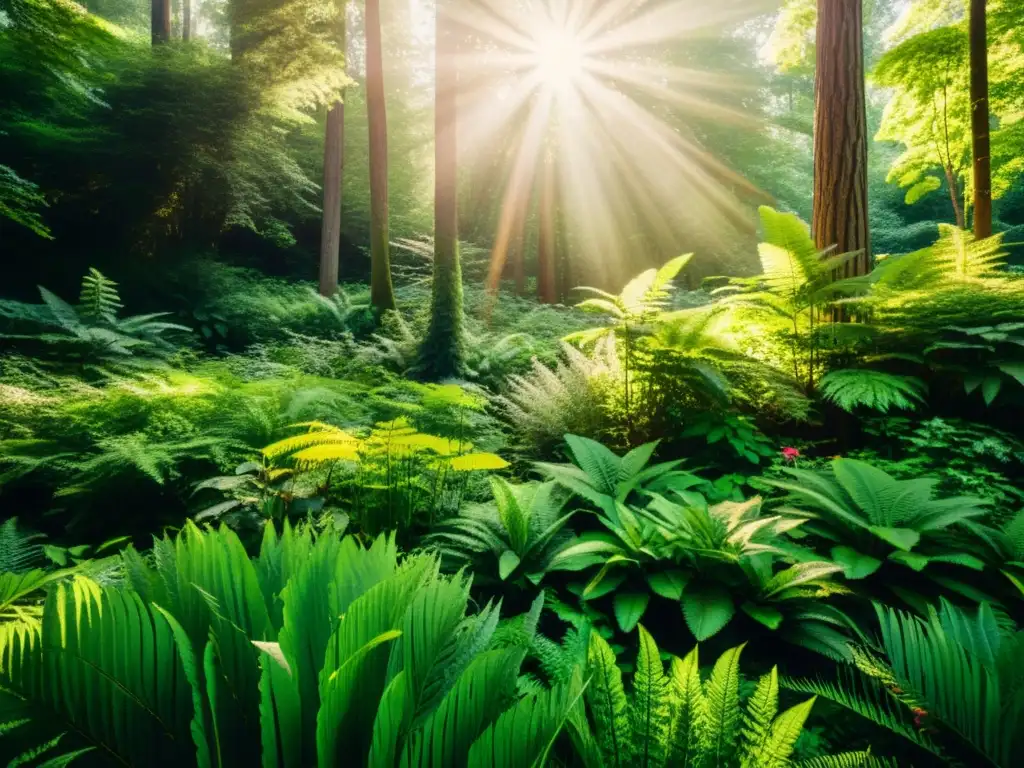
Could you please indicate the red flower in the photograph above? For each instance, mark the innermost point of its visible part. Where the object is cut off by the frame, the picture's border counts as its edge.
(919, 716)
(790, 454)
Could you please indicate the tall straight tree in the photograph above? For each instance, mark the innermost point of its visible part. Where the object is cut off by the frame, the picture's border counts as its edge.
(443, 350)
(382, 293)
(160, 17)
(547, 282)
(840, 208)
(186, 20)
(980, 142)
(334, 169)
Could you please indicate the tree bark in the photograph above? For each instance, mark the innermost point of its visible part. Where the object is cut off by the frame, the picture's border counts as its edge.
(330, 229)
(547, 288)
(186, 20)
(979, 121)
(382, 294)
(334, 171)
(160, 18)
(840, 209)
(442, 354)
(954, 198)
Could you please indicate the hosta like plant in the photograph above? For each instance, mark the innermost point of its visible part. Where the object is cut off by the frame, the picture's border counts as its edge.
(675, 718)
(516, 536)
(319, 652)
(712, 560)
(868, 517)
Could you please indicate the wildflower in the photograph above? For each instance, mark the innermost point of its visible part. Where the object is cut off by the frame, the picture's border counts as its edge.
(919, 716)
(790, 454)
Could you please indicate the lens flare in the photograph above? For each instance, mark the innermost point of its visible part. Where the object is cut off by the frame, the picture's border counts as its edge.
(605, 94)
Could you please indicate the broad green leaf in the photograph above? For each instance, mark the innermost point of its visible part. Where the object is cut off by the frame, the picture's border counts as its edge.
(629, 608)
(855, 565)
(507, 563)
(765, 614)
(668, 584)
(901, 538)
(707, 608)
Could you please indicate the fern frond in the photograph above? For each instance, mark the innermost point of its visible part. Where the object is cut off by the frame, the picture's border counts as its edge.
(761, 710)
(721, 725)
(863, 387)
(607, 700)
(848, 760)
(649, 708)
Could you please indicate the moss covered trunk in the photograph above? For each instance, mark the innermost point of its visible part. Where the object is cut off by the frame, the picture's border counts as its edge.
(442, 353)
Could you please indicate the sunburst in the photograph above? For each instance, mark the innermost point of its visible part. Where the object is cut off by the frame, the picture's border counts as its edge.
(583, 85)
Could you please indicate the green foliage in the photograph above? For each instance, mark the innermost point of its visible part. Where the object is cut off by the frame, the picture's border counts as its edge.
(91, 335)
(570, 398)
(673, 717)
(869, 521)
(854, 388)
(950, 683)
(19, 200)
(738, 432)
(320, 650)
(709, 559)
(398, 473)
(517, 536)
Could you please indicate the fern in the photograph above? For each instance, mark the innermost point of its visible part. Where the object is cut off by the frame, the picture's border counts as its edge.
(853, 388)
(18, 550)
(99, 300)
(677, 721)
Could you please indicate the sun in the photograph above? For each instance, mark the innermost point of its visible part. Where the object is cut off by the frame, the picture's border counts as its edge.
(559, 58)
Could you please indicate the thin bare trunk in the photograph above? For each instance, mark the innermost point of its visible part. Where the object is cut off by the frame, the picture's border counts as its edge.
(954, 197)
(382, 294)
(186, 20)
(979, 122)
(840, 215)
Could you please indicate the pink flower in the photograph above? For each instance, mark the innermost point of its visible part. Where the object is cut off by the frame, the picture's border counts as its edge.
(790, 454)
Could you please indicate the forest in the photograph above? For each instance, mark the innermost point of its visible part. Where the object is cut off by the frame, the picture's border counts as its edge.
(512, 383)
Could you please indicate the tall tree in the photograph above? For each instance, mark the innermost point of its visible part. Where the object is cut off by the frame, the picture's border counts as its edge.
(382, 293)
(979, 121)
(840, 207)
(334, 169)
(160, 25)
(186, 20)
(547, 287)
(443, 348)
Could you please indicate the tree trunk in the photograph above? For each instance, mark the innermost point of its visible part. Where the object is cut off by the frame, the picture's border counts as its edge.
(954, 198)
(547, 288)
(334, 171)
(979, 122)
(160, 17)
(186, 20)
(382, 294)
(442, 353)
(330, 229)
(840, 214)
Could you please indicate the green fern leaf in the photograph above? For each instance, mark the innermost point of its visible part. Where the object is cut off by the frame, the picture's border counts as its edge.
(607, 700)
(878, 391)
(721, 726)
(649, 707)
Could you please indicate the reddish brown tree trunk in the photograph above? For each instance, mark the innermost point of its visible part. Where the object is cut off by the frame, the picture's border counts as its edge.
(160, 18)
(979, 122)
(840, 211)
